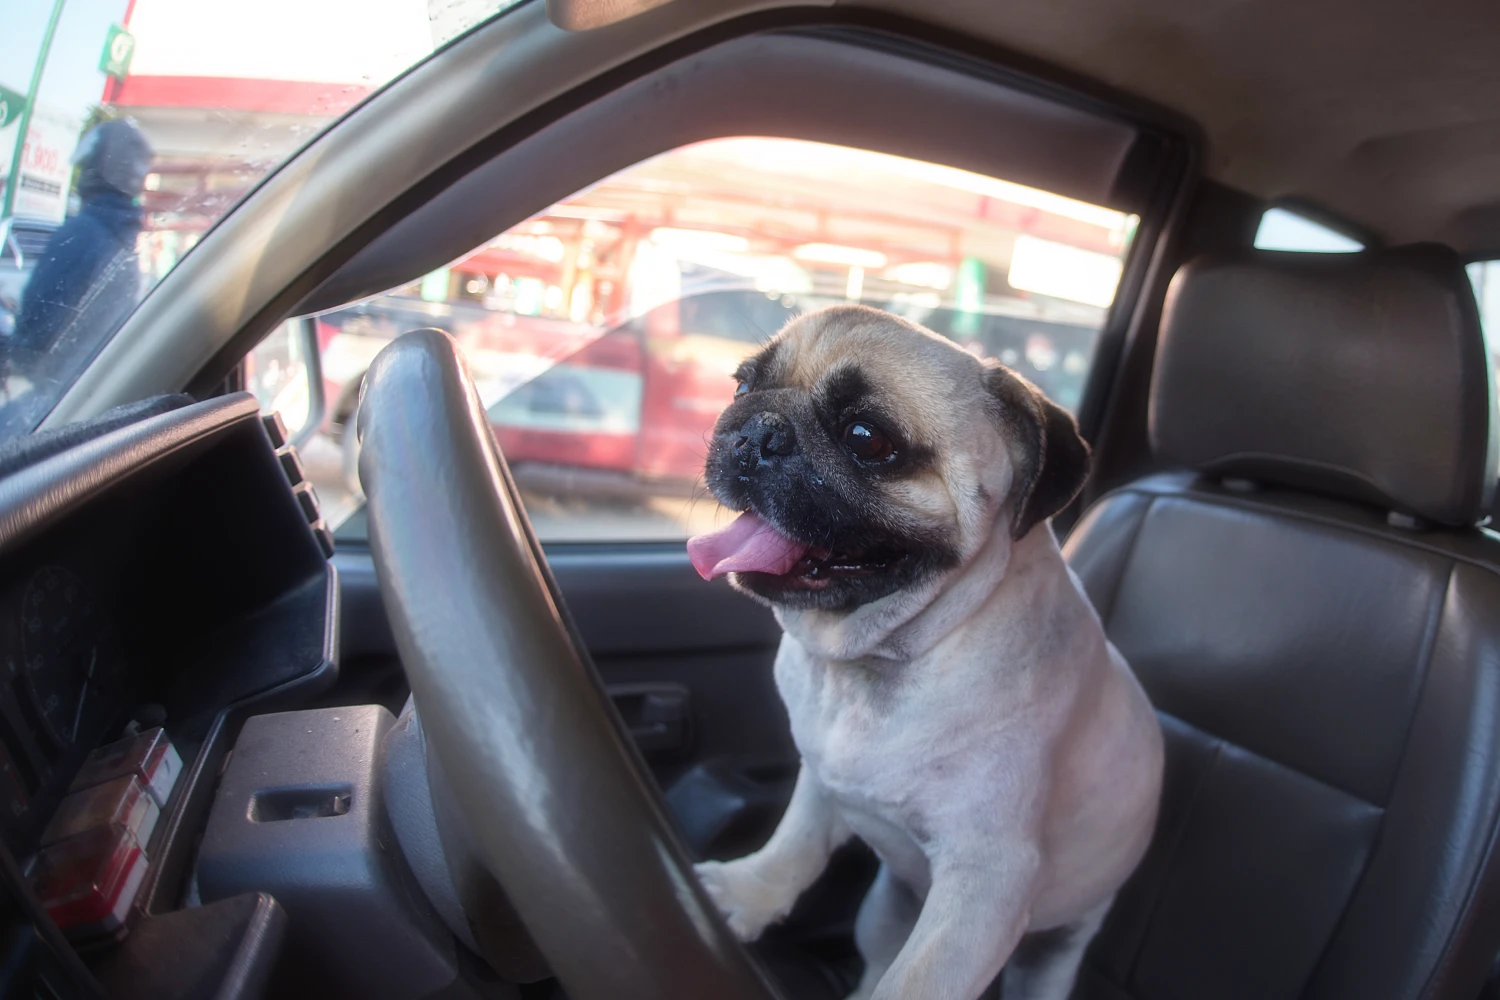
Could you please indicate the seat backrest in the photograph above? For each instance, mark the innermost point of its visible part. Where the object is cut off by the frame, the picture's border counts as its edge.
(1317, 619)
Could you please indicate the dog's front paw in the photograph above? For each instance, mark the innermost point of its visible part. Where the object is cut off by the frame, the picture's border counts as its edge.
(750, 903)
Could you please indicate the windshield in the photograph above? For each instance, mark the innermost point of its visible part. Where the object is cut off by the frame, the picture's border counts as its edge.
(129, 127)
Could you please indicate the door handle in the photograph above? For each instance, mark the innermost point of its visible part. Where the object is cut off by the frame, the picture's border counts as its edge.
(658, 716)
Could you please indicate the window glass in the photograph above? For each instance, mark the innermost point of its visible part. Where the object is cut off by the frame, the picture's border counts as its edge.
(1485, 276)
(129, 127)
(1283, 230)
(602, 333)
(277, 373)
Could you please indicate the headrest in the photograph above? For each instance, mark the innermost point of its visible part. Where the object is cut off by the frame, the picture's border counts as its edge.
(1357, 375)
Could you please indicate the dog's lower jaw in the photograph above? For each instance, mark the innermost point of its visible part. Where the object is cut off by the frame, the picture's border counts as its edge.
(908, 623)
(819, 583)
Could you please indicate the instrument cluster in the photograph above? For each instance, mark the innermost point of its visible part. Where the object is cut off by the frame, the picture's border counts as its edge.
(63, 682)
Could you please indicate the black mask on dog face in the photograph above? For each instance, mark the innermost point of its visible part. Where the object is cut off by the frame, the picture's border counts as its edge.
(847, 448)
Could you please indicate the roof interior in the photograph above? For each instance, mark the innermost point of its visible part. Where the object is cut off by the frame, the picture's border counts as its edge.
(1386, 113)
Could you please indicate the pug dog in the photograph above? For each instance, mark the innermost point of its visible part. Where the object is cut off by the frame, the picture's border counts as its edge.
(950, 688)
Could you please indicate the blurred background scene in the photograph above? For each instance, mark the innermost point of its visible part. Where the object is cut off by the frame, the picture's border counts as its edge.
(603, 333)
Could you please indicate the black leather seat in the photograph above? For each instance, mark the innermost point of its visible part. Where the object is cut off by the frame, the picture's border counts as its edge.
(1317, 619)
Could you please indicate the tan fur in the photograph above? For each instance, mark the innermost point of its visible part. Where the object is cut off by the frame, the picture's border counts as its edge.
(943, 406)
(975, 727)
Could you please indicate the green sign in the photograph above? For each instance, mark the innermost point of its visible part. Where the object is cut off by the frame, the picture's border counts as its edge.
(435, 286)
(969, 293)
(11, 106)
(119, 46)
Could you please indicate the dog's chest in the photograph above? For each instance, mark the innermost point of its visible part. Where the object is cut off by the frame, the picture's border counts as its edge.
(867, 736)
(839, 714)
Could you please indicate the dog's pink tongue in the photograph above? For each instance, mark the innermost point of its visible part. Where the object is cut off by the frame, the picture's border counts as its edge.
(749, 545)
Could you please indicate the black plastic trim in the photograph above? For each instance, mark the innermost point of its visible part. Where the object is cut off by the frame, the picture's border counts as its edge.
(1143, 270)
(37, 496)
(166, 883)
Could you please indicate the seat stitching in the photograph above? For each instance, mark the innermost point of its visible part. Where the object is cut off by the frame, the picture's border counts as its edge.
(1135, 535)
(1176, 846)
(1429, 649)
(1429, 644)
(1487, 870)
(1152, 497)
(1484, 878)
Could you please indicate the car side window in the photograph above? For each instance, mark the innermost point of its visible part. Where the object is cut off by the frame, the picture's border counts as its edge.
(1484, 275)
(603, 333)
(1283, 229)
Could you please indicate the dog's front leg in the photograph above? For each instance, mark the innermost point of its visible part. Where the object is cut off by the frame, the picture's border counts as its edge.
(759, 889)
(971, 921)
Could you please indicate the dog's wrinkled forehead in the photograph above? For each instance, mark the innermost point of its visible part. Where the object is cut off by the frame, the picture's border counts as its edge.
(854, 355)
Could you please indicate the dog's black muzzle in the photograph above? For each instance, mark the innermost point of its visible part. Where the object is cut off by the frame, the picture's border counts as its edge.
(766, 438)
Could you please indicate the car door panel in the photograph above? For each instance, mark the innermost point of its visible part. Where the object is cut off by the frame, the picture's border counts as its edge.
(659, 636)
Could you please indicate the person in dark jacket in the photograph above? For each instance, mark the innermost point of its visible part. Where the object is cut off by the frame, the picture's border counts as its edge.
(88, 279)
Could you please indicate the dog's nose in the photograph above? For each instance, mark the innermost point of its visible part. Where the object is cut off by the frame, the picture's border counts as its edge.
(763, 436)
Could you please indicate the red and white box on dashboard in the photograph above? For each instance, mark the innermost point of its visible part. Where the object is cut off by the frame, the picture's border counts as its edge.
(149, 756)
(88, 883)
(124, 801)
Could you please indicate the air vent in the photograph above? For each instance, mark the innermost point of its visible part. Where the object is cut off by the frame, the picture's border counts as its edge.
(306, 495)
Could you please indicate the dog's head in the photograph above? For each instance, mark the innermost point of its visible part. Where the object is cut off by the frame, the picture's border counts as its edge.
(871, 455)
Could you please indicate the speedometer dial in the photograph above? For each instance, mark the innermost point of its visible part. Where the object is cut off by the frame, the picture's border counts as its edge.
(59, 639)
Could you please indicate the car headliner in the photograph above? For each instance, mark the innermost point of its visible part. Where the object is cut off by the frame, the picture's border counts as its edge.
(1386, 113)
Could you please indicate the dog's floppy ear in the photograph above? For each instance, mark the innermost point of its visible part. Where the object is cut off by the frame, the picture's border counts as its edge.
(1053, 458)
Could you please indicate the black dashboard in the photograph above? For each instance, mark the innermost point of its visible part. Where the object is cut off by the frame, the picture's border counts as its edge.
(157, 570)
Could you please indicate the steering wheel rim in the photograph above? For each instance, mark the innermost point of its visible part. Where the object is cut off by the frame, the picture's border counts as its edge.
(559, 809)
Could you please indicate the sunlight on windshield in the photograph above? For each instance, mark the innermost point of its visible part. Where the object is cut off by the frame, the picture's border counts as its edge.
(129, 127)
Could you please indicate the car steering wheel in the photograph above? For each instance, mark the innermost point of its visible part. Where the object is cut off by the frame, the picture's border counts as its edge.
(554, 800)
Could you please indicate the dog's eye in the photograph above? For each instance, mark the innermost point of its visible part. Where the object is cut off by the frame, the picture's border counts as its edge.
(868, 442)
(741, 389)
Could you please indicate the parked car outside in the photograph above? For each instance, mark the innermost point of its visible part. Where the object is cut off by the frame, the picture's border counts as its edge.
(622, 409)
(22, 241)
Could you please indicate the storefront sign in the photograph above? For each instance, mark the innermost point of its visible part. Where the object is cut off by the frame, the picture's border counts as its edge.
(119, 46)
(46, 166)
